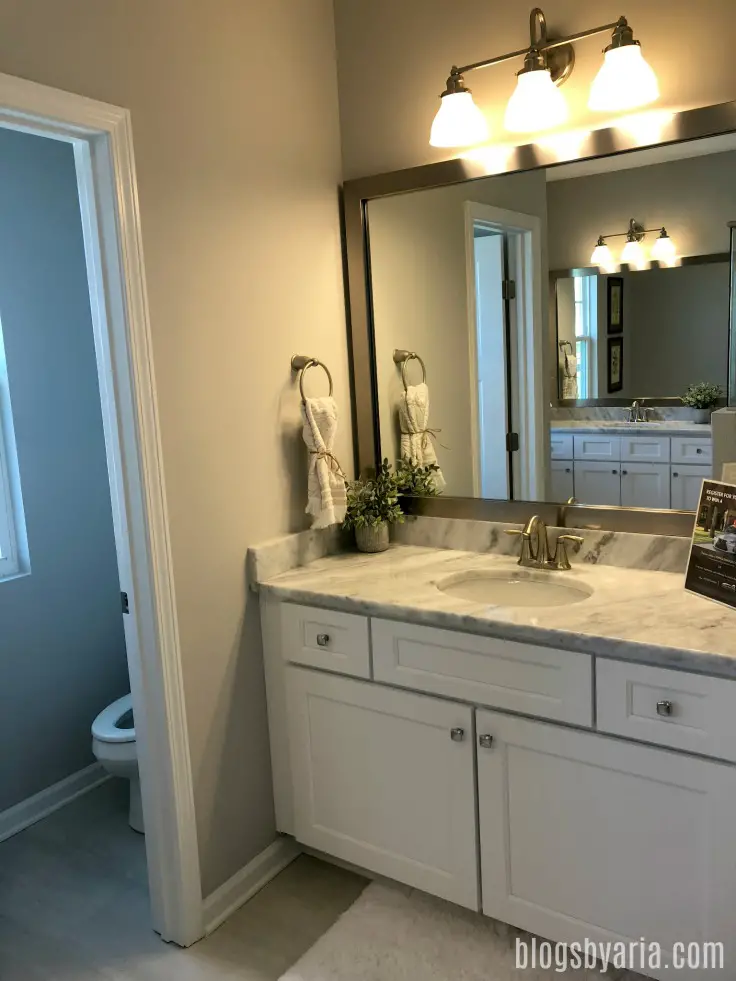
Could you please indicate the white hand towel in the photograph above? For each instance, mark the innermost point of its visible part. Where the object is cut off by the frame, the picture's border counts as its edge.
(327, 498)
(569, 371)
(416, 437)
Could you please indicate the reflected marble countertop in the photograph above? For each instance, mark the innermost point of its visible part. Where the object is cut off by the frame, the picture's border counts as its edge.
(632, 615)
(661, 428)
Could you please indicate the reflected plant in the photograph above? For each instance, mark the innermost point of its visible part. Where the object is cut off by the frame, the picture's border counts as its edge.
(416, 481)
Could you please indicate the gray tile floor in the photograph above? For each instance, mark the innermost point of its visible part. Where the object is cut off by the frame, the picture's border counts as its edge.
(74, 907)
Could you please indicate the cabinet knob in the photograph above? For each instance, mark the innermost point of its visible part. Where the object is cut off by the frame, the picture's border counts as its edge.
(485, 741)
(614, 471)
(323, 640)
(568, 469)
(457, 735)
(675, 473)
(625, 473)
(699, 449)
(664, 707)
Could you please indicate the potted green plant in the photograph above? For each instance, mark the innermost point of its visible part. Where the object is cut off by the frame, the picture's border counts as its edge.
(702, 398)
(373, 505)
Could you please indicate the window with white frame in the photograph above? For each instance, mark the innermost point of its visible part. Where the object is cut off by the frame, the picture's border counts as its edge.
(586, 335)
(12, 530)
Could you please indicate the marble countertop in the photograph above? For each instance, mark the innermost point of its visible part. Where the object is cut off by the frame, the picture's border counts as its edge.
(661, 428)
(632, 615)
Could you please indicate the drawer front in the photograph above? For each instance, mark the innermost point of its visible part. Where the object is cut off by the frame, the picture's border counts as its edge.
(597, 447)
(561, 446)
(326, 639)
(645, 449)
(689, 712)
(692, 449)
(539, 681)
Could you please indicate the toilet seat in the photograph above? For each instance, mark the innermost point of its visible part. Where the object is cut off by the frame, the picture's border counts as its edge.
(105, 727)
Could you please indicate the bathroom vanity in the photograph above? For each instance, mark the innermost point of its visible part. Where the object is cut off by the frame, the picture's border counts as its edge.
(568, 769)
(646, 465)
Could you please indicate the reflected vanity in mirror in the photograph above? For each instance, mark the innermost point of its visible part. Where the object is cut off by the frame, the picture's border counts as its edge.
(560, 311)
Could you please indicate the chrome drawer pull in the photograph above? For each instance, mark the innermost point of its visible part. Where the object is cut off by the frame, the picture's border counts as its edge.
(664, 707)
(485, 741)
(323, 640)
(457, 735)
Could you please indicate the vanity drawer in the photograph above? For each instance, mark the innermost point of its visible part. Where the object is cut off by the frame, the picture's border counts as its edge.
(539, 681)
(326, 639)
(561, 446)
(692, 449)
(689, 712)
(597, 446)
(645, 449)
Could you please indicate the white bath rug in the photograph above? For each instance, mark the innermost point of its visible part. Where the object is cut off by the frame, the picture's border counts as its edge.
(391, 934)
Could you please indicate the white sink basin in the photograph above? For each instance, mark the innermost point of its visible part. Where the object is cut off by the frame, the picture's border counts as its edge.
(522, 587)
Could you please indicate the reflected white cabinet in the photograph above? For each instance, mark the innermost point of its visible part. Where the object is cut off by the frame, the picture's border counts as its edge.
(645, 485)
(562, 486)
(561, 809)
(597, 482)
(686, 483)
(385, 779)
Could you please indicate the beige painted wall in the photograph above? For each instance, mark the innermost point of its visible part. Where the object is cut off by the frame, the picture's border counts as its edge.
(241, 235)
(419, 279)
(393, 58)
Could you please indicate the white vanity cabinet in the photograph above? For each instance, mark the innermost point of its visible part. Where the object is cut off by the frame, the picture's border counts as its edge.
(570, 795)
(385, 779)
(587, 836)
(634, 471)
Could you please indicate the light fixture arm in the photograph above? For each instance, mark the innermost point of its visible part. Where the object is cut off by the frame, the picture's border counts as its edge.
(537, 19)
(634, 233)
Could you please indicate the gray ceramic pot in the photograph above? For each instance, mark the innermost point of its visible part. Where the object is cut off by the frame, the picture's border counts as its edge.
(702, 415)
(372, 538)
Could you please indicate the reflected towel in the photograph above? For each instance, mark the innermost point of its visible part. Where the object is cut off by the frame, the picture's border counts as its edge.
(416, 437)
(327, 496)
(569, 375)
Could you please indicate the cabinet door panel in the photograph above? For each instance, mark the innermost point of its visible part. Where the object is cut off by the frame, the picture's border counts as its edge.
(645, 485)
(560, 445)
(692, 449)
(379, 781)
(686, 484)
(595, 446)
(585, 836)
(645, 449)
(561, 483)
(598, 483)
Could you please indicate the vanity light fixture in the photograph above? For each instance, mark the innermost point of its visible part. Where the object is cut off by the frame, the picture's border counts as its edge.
(624, 82)
(633, 254)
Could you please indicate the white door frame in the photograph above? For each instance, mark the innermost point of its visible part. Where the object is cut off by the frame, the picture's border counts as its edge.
(101, 136)
(527, 348)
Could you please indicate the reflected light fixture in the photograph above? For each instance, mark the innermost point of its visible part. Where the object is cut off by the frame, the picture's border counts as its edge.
(633, 253)
(624, 82)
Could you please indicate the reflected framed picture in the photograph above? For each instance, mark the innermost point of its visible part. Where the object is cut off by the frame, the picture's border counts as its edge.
(615, 364)
(615, 305)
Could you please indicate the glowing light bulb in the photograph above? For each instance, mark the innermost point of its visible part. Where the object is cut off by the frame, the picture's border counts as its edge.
(633, 255)
(536, 103)
(664, 250)
(624, 81)
(603, 257)
(459, 122)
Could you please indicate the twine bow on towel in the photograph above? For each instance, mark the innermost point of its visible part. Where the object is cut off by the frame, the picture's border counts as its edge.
(332, 462)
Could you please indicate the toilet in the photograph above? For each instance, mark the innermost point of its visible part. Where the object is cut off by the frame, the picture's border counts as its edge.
(114, 745)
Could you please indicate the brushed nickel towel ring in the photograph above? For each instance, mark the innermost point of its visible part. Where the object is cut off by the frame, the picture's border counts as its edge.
(402, 358)
(302, 364)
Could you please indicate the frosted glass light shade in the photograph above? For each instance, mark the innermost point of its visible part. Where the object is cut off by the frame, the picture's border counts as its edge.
(603, 258)
(625, 81)
(459, 122)
(664, 250)
(536, 103)
(633, 255)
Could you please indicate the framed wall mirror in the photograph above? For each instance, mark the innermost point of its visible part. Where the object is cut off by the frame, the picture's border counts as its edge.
(532, 330)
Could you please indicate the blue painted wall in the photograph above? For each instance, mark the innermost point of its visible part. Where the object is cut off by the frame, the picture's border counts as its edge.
(62, 649)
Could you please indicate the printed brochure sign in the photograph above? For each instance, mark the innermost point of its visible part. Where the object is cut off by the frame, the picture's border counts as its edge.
(711, 571)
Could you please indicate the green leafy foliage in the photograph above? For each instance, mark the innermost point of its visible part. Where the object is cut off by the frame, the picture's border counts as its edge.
(411, 479)
(374, 500)
(704, 395)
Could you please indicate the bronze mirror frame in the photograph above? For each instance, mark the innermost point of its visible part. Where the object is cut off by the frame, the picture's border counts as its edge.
(679, 127)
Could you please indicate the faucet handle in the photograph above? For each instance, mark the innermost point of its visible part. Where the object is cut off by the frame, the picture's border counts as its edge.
(560, 559)
(514, 531)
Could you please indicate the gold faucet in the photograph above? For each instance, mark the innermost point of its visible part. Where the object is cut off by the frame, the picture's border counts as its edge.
(535, 551)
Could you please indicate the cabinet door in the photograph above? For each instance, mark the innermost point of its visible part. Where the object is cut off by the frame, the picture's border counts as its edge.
(645, 485)
(645, 449)
(596, 446)
(585, 836)
(385, 779)
(561, 483)
(597, 482)
(686, 483)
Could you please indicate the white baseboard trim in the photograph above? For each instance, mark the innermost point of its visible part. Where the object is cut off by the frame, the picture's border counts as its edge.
(36, 808)
(231, 895)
